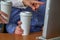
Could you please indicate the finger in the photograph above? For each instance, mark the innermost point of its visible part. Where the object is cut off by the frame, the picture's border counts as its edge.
(37, 2)
(32, 6)
(2, 13)
(19, 28)
(18, 32)
(0, 22)
(3, 20)
(19, 22)
(37, 6)
(33, 9)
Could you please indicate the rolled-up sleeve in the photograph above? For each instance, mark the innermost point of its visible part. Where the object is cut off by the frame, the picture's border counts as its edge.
(10, 28)
(18, 3)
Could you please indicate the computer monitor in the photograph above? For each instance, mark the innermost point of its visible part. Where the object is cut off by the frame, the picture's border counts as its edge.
(51, 27)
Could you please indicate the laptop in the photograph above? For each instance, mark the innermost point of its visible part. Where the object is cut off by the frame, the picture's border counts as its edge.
(51, 29)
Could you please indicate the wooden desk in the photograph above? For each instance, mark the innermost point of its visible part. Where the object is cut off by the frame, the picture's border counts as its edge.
(32, 36)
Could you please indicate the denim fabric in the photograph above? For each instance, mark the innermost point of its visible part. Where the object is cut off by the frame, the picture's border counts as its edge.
(37, 19)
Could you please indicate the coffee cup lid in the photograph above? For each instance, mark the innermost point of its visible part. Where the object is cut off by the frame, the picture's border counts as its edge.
(25, 13)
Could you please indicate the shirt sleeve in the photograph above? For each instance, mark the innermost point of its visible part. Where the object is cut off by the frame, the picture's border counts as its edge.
(18, 3)
(11, 28)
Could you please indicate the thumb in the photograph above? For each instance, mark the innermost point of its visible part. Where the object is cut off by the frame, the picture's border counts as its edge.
(19, 22)
(18, 26)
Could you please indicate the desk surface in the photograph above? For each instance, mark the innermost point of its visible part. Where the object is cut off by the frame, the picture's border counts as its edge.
(32, 36)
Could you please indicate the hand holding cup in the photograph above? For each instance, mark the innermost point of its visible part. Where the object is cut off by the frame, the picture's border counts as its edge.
(2, 19)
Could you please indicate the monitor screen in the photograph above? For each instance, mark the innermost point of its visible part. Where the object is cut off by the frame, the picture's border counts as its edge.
(51, 27)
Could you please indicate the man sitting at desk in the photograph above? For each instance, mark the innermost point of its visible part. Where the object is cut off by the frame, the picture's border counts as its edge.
(14, 25)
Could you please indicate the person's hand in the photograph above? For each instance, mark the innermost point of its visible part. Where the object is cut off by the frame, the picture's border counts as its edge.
(18, 29)
(34, 4)
(2, 19)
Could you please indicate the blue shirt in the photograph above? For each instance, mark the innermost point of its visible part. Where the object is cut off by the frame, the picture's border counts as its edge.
(36, 22)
